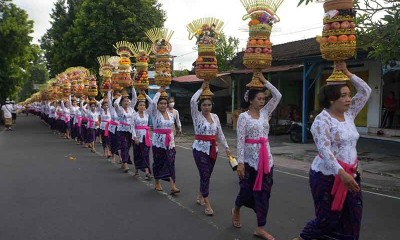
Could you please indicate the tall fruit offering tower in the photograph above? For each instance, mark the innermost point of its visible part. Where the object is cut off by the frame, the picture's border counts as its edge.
(124, 50)
(206, 31)
(141, 51)
(162, 48)
(258, 54)
(105, 72)
(338, 41)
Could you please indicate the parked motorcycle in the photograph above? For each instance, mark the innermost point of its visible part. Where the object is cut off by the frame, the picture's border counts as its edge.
(296, 130)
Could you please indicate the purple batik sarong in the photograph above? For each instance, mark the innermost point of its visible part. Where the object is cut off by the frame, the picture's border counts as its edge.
(125, 141)
(164, 163)
(105, 141)
(114, 143)
(90, 135)
(345, 224)
(141, 156)
(205, 165)
(256, 200)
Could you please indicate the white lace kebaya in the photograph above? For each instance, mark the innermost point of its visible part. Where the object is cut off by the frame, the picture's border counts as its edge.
(124, 116)
(337, 140)
(93, 116)
(158, 140)
(250, 128)
(114, 116)
(203, 127)
(140, 121)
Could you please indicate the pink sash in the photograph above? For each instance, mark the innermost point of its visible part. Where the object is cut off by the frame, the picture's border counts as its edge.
(167, 133)
(79, 121)
(108, 123)
(91, 122)
(66, 118)
(147, 137)
(339, 191)
(263, 161)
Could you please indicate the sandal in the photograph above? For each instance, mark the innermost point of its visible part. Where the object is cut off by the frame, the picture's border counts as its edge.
(200, 201)
(208, 212)
(159, 189)
(175, 191)
(147, 177)
(235, 221)
(264, 235)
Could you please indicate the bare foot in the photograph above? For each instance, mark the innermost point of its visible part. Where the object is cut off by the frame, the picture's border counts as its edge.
(236, 218)
(261, 233)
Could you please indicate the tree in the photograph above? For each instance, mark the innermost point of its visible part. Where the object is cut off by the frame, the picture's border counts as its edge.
(58, 41)
(15, 56)
(225, 51)
(95, 27)
(36, 72)
(378, 28)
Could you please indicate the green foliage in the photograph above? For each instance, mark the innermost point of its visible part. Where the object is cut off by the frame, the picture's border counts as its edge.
(84, 29)
(225, 51)
(15, 54)
(36, 73)
(180, 73)
(378, 28)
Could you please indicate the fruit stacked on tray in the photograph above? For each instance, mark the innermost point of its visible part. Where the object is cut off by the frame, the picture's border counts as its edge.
(206, 31)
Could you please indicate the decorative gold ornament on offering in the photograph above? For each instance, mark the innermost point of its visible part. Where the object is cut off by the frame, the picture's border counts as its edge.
(161, 47)
(92, 90)
(124, 50)
(206, 31)
(105, 72)
(141, 51)
(114, 62)
(258, 54)
(338, 41)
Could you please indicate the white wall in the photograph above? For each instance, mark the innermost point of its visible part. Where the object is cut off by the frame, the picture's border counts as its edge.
(375, 101)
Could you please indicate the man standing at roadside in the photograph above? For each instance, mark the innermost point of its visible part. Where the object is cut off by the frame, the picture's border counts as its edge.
(7, 109)
(14, 112)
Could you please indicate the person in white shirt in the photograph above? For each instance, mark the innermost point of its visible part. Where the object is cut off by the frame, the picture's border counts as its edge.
(125, 114)
(74, 114)
(93, 117)
(255, 168)
(7, 114)
(207, 128)
(175, 113)
(105, 119)
(141, 136)
(163, 143)
(14, 112)
(112, 129)
(334, 179)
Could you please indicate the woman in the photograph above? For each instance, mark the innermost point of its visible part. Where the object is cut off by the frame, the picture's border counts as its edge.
(111, 130)
(66, 118)
(175, 113)
(141, 136)
(59, 118)
(163, 143)
(207, 127)
(93, 117)
(125, 114)
(334, 180)
(52, 115)
(74, 108)
(255, 167)
(105, 118)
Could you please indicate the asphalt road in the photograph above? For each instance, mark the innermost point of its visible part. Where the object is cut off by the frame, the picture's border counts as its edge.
(46, 195)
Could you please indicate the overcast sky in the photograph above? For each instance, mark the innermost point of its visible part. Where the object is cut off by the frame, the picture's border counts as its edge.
(296, 22)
